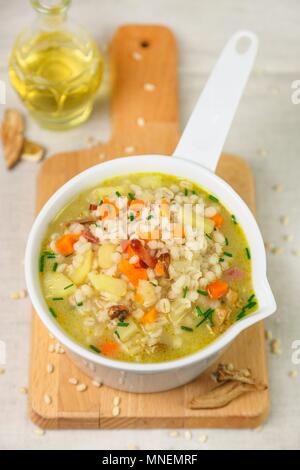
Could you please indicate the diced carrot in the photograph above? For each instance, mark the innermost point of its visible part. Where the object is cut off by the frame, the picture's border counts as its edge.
(137, 205)
(218, 220)
(217, 289)
(65, 245)
(134, 274)
(165, 208)
(178, 231)
(108, 210)
(139, 298)
(148, 234)
(160, 269)
(109, 348)
(149, 316)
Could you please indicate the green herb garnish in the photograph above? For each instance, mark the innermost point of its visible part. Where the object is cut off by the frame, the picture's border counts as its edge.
(251, 298)
(95, 349)
(185, 291)
(233, 219)
(186, 193)
(206, 316)
(52, 311)
(202, 292)
(213, 198)
(54, 267)
(68, 287)
(186, 328)
(248, 254)
(226, 241)
(118, 194)
(208, 236)
(131, 217)
(80, 304)
(122, 324)
(221, 260)
(131, 196)
(226, 253)
(150, 217)
(199, 311)
(42, 263)
(57, 298)
(117, 334)
(100, 202)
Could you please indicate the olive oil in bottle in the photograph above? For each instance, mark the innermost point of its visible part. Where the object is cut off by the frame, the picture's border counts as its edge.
(56, 68)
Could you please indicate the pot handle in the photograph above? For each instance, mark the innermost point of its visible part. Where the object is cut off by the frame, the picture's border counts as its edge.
(204, 136)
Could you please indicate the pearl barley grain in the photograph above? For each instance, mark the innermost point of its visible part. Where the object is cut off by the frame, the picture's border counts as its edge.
(81, 388)
(116, 411)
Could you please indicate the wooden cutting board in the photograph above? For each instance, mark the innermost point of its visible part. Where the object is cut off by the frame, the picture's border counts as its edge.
(140, 55)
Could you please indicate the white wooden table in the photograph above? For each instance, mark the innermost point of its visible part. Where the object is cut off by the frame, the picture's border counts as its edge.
(265, 131)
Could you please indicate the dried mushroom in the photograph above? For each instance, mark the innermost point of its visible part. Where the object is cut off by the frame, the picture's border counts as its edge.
(233, 383)
(118, 311)
(12, 136)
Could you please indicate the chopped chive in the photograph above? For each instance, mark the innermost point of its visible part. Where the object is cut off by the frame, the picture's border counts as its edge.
(206, 316)
(213, 198)
(185, 291)
(194, 192)
(52, 311)
(118, 194)
(131, 196)
(94, 348)
(202, 292)
(250, 305)
(117, 334)
(68, 287)
(208, 236)
(186, 328)
(153, 284)
(100, 202)
(226, 253)
(233, 218)
(199, 311)
(131, 217)
(221, 260)
(51, 256)
(251, 298)
(80, 304)
(42, 263)
(226, 241)
(248, 253)
(57, 298)
(241, 315)
(54, 267)
(186, 193)
(150, 217)
(122, 324)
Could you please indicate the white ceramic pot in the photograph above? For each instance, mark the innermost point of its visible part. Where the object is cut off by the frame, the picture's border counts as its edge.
(195, 158)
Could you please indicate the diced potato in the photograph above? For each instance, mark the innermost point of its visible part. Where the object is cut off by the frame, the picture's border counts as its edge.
(179, 309)
(112, 285)
(57, 285)
(209, 225)
(105, 191)
(150, 181)
(126, 332)
(104, 255)
(79, 274)
(147, 291)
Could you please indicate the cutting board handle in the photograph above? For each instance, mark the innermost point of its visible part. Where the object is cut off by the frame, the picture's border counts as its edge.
(144, 81)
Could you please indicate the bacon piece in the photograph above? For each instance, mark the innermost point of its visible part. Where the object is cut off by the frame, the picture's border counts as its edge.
(83, 221)
(93, 207)
(87, 234)
(143, 253)
(234, 273)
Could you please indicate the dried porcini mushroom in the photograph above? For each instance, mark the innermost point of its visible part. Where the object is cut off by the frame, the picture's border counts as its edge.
(164, 260)
(32, 151)
(120, 312)
(226, 372)
(223, 395)
(12, 135)
(233, 383)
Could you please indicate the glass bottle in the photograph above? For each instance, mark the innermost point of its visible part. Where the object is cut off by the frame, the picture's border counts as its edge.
(56, 67)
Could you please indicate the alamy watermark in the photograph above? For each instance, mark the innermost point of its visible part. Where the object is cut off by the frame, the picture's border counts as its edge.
(296, 352)
(295, 97)
(2, 92)
(2, 353)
